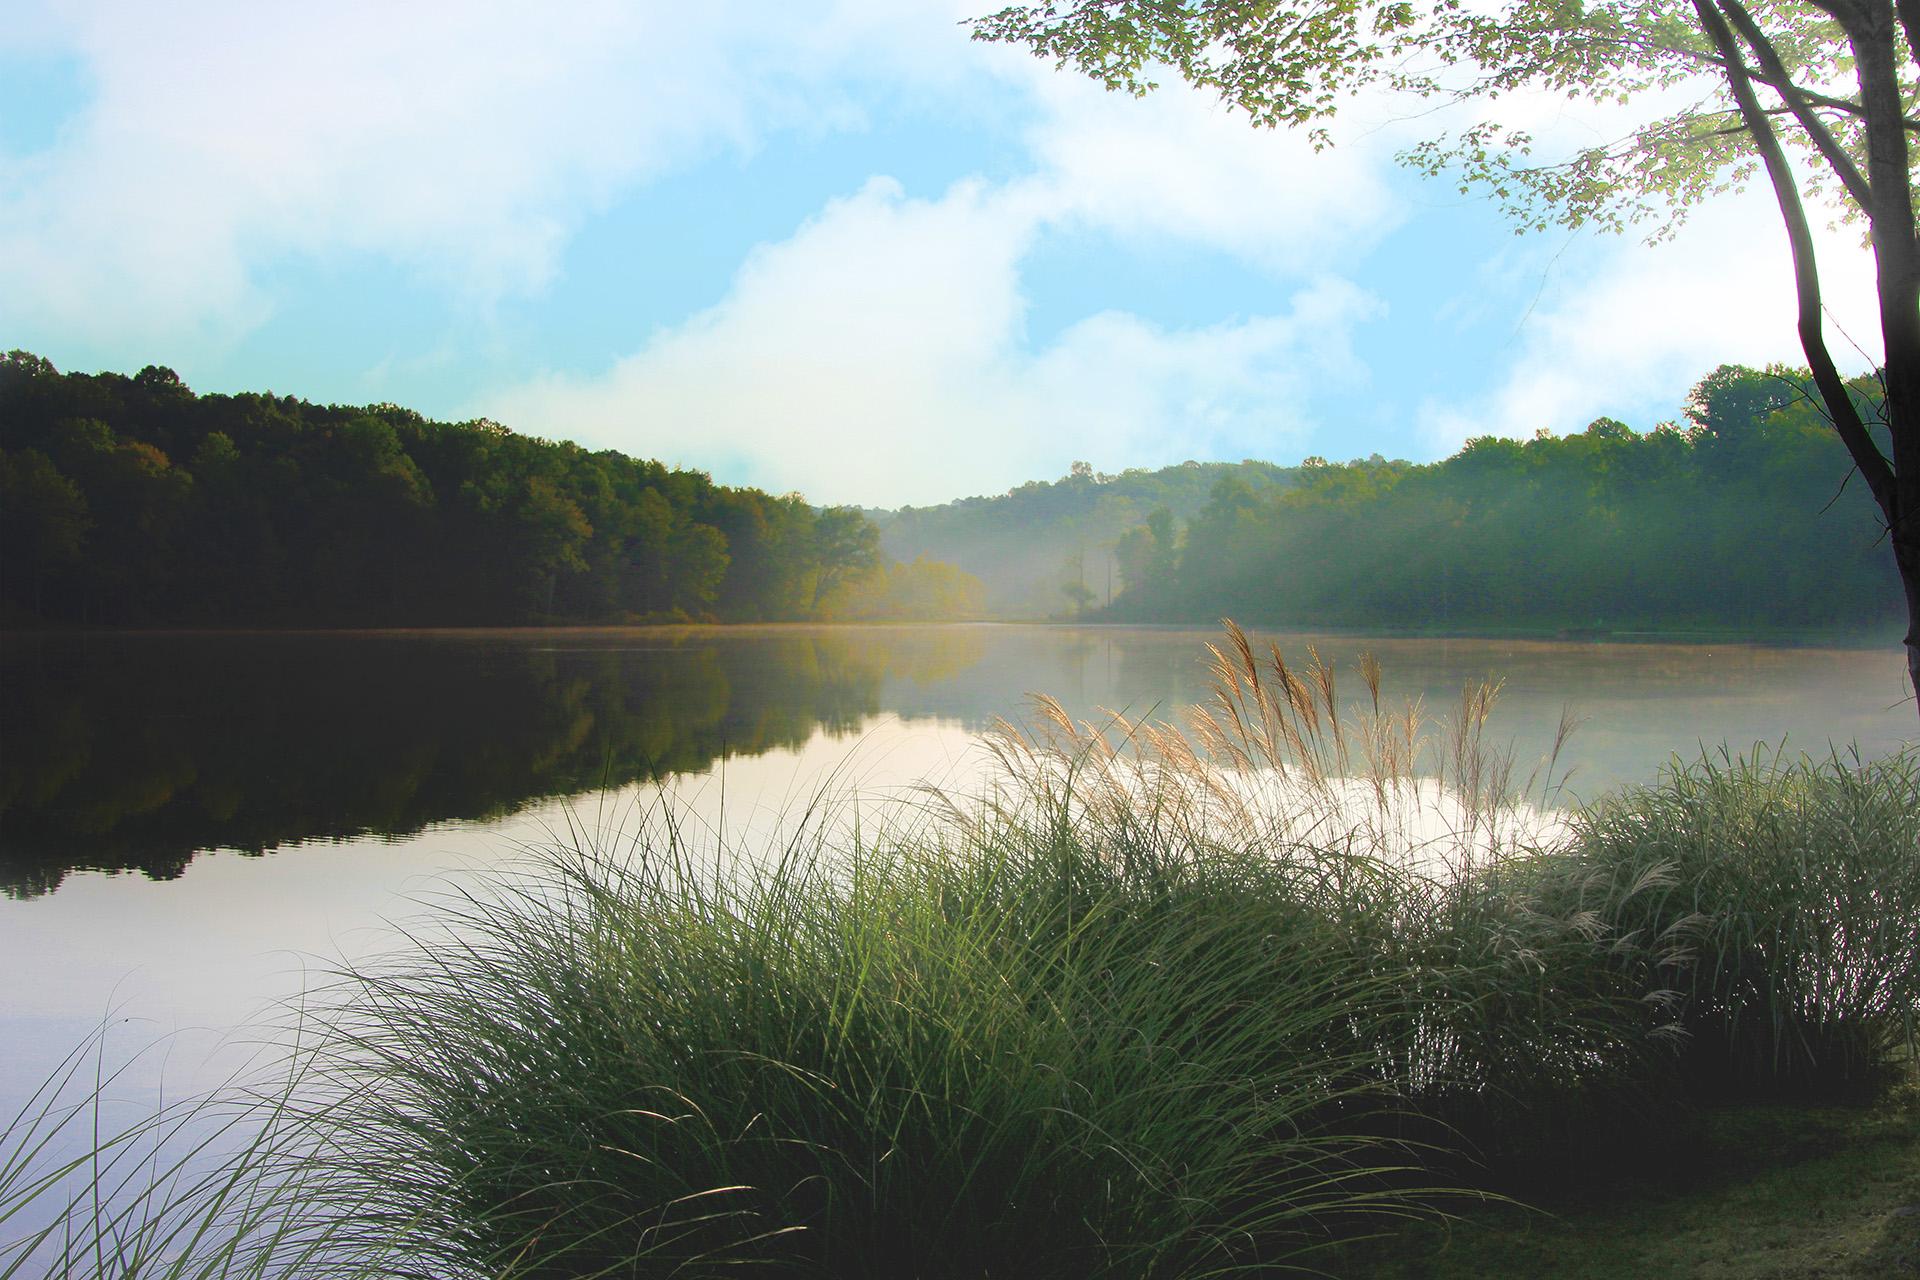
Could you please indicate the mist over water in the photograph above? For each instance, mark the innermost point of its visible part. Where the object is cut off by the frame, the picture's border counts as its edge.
(145, 773)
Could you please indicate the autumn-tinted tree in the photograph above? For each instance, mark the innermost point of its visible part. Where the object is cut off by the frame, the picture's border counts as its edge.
(846, 548)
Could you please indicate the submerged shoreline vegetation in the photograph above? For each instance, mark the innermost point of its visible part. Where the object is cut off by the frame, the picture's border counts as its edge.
(1159, 1003)
(131, 501)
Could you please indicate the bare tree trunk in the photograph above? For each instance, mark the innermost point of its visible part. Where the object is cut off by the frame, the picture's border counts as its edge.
(1874, 33)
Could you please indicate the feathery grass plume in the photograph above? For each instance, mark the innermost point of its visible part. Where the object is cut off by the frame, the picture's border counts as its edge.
(1157, 1002)
(989, 1049)
(1500, 1020)
(1272, 757)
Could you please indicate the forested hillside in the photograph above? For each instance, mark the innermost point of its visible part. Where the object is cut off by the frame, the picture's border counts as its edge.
(1739, 516)
(1045, 549)
(132, 501)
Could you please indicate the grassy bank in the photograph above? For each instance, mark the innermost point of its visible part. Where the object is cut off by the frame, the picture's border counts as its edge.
(1159, 1004)
(1768, 1191)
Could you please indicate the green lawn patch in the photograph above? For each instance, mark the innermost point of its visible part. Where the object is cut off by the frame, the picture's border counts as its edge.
(1771, 1193)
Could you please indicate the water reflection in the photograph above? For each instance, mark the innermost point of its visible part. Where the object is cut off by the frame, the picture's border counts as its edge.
(136, 752)
(1643, 702)
(416, 755)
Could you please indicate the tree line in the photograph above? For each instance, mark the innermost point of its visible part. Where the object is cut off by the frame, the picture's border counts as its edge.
(1819, 96)
(133, 501)
(1740, 516)
(1042, 547)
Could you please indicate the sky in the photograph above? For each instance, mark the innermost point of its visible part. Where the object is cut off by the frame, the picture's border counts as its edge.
(826, 246)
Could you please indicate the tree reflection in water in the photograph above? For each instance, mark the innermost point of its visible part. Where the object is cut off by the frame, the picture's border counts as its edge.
(136, 752)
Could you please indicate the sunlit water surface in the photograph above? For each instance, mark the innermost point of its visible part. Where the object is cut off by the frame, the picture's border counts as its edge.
(140, 772)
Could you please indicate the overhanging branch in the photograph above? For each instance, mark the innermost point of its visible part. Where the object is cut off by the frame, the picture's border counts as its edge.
(1823, 140)
(1841, 411)
(1909, 11)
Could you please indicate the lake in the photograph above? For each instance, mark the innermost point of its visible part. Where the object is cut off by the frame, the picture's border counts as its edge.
(192, 826)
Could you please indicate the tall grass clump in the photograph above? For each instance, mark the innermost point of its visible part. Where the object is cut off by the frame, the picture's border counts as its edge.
(1792, 886)
(1500, 1018)
(1003, 1054)
(238, 1184)
(1153, 1004)
(1156, 1001)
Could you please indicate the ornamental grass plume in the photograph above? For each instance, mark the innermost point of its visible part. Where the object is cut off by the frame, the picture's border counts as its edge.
(1157, 1001)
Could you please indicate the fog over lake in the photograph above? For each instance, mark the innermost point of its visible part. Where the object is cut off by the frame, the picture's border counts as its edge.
(191, 823)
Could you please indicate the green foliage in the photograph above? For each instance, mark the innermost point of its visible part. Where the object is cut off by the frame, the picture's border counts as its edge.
(1293, 64)
(1740, 519)
(847, 547)
(43, 515)
(1017, 543)
(1282, 64)
(924, 591)
(289, 513)
(1793, 886)
(1136, 1012)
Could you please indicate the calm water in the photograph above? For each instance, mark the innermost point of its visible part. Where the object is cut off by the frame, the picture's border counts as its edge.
(192, 825)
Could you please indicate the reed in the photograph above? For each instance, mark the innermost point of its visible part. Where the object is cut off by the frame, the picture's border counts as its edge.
(1498, 1015)
(223, 1186)
(1006, 1053)
(1161, 1001)
(1779, 896)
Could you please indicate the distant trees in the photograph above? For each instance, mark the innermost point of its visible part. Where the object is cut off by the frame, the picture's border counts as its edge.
(923, 591)
(43, 518)
(1737, 518)
(846, 547)
(1734, 88)
(1147, 556)
(1017, 542)
(132, 501)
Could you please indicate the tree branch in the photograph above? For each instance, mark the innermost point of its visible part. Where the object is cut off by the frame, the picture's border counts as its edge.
(1823, 139)
(1782, 80)
(1841, 411)
(1910, 23)
(1732, 129)
(1831, 103)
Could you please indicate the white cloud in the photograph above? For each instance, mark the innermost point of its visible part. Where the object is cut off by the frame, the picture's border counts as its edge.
(1641, 324)
(462, 141)
(1179, 164)
(466, 142)
(876, 355)
(879, 354)
(880, 350)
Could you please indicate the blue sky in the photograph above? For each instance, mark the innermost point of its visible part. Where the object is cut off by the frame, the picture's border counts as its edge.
(831, 247)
